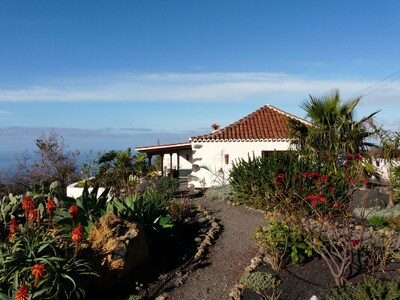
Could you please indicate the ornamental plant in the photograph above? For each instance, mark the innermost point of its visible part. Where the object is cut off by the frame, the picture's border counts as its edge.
(312, 187)
(86, 210)
(39, 258)
(315, 200)
(121, 171)
(281, 242)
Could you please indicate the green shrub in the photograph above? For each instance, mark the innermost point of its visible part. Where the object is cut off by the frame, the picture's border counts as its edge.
(369, 288)
(121, 171)
(253, 181)
(259, 281)
(377, 221)
(395, 178)
(224, 192)
(179, 209)
(282, 243)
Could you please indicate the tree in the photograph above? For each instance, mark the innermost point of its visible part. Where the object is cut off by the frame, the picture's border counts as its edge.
(53, 161)
(389, 150)
(334, 131)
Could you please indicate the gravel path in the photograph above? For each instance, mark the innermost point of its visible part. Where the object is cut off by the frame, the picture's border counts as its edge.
(227, 258)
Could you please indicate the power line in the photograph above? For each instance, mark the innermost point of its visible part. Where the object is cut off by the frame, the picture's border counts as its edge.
(376, 84)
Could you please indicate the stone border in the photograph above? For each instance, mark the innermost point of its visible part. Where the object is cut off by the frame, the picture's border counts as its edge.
(236, 292)
(181, 273)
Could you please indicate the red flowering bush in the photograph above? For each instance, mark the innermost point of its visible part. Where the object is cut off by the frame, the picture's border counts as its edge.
(319, 198)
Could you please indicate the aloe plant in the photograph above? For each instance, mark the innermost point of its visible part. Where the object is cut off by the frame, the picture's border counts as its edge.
(91, 207)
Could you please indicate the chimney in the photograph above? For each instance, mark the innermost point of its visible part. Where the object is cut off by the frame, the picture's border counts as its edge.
(215, 127)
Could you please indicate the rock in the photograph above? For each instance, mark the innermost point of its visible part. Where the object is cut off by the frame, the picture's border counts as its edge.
(358, 227)
(214, 225)
(117, 245)
(235, 294)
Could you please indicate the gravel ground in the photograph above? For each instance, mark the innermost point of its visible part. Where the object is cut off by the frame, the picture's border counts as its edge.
(227, 258)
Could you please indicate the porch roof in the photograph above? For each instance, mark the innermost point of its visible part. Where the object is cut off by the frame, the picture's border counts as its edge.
(164, 149)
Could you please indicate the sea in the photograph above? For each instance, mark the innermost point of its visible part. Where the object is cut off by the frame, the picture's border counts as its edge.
(9, 161)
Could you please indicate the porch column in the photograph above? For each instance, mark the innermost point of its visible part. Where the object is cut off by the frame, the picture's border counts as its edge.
(177, 163)
(149, 156)
(162, 164)
(170, 165)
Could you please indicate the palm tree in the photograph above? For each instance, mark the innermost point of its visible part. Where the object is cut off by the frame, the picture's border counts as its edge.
(334, 130)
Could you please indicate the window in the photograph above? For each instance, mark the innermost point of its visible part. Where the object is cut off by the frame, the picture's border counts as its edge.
(265, 153)
(226, 159)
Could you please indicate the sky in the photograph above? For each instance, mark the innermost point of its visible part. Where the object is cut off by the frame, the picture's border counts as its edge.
(117, 74)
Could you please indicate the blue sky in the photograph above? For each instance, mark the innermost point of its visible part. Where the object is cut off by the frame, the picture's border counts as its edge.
(114, 74)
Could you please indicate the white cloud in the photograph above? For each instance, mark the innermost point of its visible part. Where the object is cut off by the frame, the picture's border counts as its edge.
(186, 87)
(4, 112)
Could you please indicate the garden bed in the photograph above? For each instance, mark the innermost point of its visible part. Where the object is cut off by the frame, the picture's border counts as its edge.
(174, 253)
(308, 279)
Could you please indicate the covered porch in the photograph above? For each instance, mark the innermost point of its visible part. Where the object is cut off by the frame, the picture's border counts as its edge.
(176, 160)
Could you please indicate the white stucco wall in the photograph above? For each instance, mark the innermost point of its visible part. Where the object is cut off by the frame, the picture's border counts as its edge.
(209, 167)
(185, 160)
(382, 166)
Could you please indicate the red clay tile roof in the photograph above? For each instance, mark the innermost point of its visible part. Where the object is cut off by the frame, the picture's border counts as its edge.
(266, 123)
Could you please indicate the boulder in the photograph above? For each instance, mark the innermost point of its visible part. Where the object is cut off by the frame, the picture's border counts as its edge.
(117, 245)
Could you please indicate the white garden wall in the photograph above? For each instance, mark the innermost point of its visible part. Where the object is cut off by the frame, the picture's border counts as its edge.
(212, 160)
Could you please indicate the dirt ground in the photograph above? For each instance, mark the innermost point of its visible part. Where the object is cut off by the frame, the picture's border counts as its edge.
(227, 258)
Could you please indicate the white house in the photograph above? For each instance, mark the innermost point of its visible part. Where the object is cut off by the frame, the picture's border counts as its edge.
(207, 159)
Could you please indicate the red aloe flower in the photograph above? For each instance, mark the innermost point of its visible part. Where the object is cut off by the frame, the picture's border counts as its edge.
(38, 271)
(359, 157)
(22, 292)
(73, 210)
(346, 164)
(349, 156)
(10, 237)
(355, 242)
(77, 234)
(51, 205)
(281, 176)
(13, 226)
(28, 204)
(364, 181)
(33, 214)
